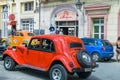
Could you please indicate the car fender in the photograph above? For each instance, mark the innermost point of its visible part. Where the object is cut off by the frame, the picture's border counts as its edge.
(62, 59)
(14, 55)
(96, 52)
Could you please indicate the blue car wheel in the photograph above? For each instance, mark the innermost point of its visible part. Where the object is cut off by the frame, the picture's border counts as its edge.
(96, 56)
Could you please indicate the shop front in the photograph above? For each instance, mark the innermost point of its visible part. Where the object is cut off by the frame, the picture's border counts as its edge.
(67, 21)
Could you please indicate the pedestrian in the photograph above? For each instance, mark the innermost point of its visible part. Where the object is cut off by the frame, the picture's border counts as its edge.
(57, 30)
(61, 32)
(117, 49)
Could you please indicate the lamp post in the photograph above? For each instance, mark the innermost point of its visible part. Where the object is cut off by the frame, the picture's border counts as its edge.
(52, 29)
(79, 6)
(39, 15)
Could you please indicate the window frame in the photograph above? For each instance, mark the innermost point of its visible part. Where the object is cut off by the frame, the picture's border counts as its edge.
(28, 6)
(30, 46)
(52, 42)
(100, 25)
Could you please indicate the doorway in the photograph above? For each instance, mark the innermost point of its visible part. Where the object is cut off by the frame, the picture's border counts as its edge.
(68, 27)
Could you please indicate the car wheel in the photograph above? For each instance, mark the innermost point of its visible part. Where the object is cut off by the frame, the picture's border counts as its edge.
(58, 72)
(96, 56)
(84, 75)
(9, 63)
(84, 58)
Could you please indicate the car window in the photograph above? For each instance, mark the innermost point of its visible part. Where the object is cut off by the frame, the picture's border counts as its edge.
(91, 42)
(35, 44)
(47, 45)
(75, 45)
(21, 34)
(84, 41)
(30, 34)
(17, 34)
(106, 43)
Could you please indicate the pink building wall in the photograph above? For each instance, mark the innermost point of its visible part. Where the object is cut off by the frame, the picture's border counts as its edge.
(95, 7)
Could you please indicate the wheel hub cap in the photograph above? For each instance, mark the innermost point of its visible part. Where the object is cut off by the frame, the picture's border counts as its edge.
(7, 63)
(56, 74)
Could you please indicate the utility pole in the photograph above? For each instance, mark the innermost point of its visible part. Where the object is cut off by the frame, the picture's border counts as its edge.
(39, 15)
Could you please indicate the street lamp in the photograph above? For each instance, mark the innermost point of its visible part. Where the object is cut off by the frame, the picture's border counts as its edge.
(79, 6)
(39, 15)
(52, 29)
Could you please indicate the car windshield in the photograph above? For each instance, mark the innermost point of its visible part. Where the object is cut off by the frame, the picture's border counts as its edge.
(89, 41)
(75, 45)
(106, 43)
(30, 34)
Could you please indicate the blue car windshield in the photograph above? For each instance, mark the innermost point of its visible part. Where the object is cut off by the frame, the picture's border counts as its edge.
(90, 42)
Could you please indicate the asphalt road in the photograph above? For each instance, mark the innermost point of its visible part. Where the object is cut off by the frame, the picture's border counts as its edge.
(106, 71)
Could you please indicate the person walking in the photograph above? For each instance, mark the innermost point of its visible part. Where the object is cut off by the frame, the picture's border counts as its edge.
(61, 32)
(57, 30)
(117, 49)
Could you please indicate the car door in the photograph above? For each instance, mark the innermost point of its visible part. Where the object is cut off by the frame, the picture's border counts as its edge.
(32, 55)
(90, 45)
(47, 53)
(14, 39)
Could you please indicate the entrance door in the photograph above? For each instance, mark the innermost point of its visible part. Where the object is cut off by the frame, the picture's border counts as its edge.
(71, 31)
(65, 30)
(68, 30)
(68, 27)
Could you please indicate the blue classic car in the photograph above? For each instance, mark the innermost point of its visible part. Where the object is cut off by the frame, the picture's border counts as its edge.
(99, 49)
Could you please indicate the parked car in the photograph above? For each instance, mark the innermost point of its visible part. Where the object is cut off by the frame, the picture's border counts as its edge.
(99, 49)
(20, 37)
(2, 49)
(56, 54)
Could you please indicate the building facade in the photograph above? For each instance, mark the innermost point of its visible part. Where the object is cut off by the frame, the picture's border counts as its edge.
(96, 18)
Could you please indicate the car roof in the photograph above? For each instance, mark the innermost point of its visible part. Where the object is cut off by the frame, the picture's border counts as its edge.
(91, 38)
(24, 32)
(56, 37)
(95, 39)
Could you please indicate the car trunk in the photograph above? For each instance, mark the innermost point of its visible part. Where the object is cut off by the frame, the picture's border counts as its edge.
(107, 46)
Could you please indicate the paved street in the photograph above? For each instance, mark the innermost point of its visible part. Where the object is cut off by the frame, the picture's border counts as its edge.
(106, 71)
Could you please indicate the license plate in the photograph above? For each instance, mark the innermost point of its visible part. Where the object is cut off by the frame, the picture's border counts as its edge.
(88, 69)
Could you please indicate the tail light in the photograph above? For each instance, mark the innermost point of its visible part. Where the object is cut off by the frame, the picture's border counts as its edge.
(93, 63)
(71, 64)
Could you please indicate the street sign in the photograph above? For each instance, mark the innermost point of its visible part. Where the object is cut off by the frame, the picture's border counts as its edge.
(11, 17)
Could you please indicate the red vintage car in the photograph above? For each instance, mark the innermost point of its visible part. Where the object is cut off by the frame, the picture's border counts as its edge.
(59, 55)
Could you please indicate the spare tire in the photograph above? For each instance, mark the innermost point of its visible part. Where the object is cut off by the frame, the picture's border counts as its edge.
(84, 58)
